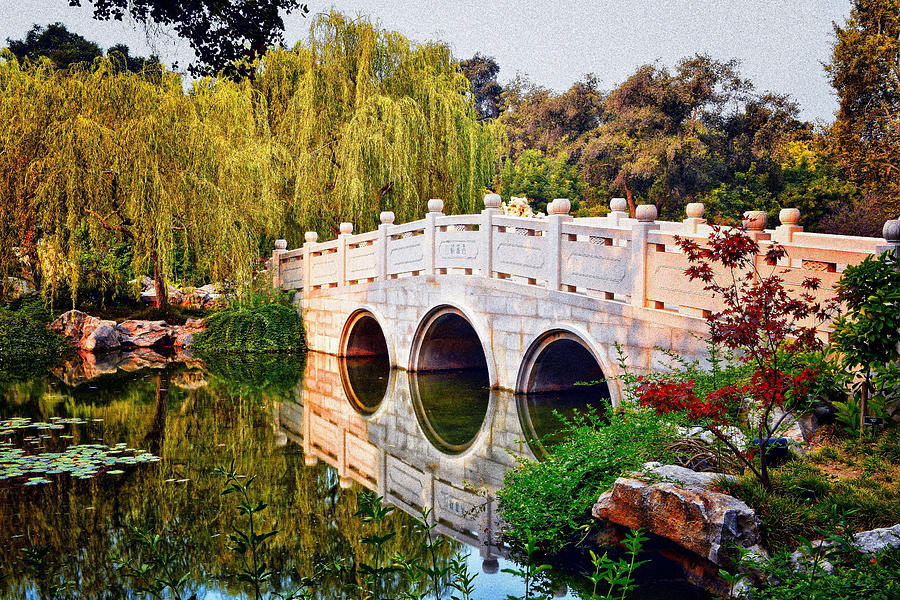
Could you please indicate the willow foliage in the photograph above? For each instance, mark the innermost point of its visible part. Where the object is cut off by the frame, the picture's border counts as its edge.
(137, 158)
(373, 122)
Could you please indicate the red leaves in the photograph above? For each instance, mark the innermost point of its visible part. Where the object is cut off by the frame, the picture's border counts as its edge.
(667, 396)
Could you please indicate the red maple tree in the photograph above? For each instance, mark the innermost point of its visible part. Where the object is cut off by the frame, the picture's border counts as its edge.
(765, 324)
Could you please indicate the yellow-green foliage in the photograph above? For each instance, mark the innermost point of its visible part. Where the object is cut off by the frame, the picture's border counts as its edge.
(353, 121)
(373, 122)
(100, 145)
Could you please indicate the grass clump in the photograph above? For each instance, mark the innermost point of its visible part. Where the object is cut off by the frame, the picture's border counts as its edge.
(261, 328)
(870, 576)
(552, 499)
(856, 483)
(27, 345)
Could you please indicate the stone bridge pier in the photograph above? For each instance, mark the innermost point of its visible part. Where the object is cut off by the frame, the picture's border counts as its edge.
(534, 304)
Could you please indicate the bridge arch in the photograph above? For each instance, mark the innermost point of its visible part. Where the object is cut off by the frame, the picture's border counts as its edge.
(364, 334)
(559, 358)
(450, 338)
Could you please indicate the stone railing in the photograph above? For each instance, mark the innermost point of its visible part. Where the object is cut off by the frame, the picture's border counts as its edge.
(617, 258)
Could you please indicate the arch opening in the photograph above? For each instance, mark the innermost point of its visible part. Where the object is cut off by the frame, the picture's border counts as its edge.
(562, 362)
(365, 362)
(451, 407)
(450, 343)
(364, 337)
(559, 376)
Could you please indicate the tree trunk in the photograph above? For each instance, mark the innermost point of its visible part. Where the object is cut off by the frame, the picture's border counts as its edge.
(157, 434)
(630, 197)
(863, 405)
(159, 283)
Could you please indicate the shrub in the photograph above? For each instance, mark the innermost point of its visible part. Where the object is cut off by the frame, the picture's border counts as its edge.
(27, 346)
(553, 498)
(264, 328)
(870, 576)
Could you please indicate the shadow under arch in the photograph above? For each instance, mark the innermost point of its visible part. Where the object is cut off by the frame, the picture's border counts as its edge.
(364, 361)
(560, 374)
(448, 339)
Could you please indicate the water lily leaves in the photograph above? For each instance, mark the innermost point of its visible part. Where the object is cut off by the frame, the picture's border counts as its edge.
(82, 461)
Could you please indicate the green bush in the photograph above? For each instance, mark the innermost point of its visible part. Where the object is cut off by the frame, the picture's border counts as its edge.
(262, 328)
(27, 346)
(552, 499)
(870, 576)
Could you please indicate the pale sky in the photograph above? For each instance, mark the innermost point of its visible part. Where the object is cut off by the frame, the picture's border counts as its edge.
(782, 44)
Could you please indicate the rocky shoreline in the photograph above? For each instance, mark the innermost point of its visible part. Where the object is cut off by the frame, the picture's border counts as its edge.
(93, 334)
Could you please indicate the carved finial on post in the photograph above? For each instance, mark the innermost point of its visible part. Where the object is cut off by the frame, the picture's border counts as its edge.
(492, 201)
(790, 224)
(891, 233)
(311, 237)
(755, 223)
(346, 228)
(387, 217)
(275, 263)
(435, 205)
(695, 218)
(646, 213)
(618, 210)
(559, 206)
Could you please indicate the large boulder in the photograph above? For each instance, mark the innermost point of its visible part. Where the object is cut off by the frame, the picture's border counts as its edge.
(104, 337)
(682, 506)
(144, 334)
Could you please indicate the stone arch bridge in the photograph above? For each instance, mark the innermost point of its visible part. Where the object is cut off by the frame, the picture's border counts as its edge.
(537, 304)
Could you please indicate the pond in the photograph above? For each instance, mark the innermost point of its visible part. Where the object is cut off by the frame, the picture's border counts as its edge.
(101, 445)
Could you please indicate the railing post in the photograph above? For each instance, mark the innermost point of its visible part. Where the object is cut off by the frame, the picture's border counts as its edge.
(619, 210)
(891, 233)
(695, 218)
(558, 213)
(790, 224)
(486, 228)
(387, 219)
(280, 248)
(435, 209)
(646, 220)
(310, 237)
(346, 230)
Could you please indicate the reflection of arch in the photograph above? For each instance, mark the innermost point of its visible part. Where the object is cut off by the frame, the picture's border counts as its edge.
(460, 438)
(558, 359)
(366, 381)
(449, 338)
(364, 334)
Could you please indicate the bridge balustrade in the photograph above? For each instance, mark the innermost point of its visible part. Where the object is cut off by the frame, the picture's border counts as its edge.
(616, 258)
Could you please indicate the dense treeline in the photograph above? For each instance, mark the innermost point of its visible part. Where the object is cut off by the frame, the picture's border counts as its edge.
(106, 173)
(701, 132)
(112, 167)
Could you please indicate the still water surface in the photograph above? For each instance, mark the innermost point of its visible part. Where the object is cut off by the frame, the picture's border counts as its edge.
(315, 432)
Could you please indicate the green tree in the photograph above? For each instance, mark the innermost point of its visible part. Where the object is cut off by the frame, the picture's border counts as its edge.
(481, 71)
(139, 161)
(57, 43)
(220, 33)
(867, 333)
(865, 73)
(373, 122)
(540, 180)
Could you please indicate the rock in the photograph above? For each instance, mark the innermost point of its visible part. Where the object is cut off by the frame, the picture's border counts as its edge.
(682, 476)
(208, 289)
(877, 539)
(105, 337)
(70, 324)
(143, 334)
(734, 435)
(184, 339)
(19, 288)
(688, 513)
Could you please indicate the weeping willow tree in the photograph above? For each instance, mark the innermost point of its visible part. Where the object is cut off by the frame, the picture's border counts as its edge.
(135, 158)
(373, 122)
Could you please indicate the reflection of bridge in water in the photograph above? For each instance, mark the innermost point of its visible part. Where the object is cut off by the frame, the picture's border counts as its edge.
(419, 447)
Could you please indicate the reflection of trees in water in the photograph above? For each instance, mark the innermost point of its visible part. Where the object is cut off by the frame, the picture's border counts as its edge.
(193, 430)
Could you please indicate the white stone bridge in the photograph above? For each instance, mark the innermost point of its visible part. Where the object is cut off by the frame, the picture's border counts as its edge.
(537, 303)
